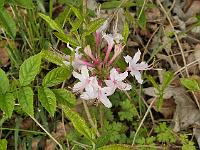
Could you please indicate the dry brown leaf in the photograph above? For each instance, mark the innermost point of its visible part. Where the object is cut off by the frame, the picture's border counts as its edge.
(34, 145)
(4, 58)
(167, 109)
(153, 14)
(186, 113)
(193, 10)
(151, 91)
(26, 124)
(59, 135)
(197, 53)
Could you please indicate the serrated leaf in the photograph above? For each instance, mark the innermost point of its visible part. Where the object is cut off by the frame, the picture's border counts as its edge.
(117, 147)
(28, 4)
(25, 98)
(56, 76)
(125, 32)
(167, 78)
(66, 38)
(65, 97)
(7, 102)
(78, 123)
(7, 23)
(142, 20)
(29, 69)
(93, 26)
(53, 57)
(4, 82)
(190, 84)
(52, 23)
(47, 99)
(3, 144)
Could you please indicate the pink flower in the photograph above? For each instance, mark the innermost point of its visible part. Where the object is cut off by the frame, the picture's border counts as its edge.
(111, 39)
(117, 51)
(99, 31)
(116, 81)
(77, 63)
(99, 93)
(88, 52)
(135, 67)
(85, 80)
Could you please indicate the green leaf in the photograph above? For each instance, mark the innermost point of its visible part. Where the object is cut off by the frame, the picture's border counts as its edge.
(77, 12)
(52, 23)
(151, 79)
(93, 26)
(116, 147)
(190, 84)
(125, 32)
(3, 144)
(7, 23)
(167, 78)
(47, 99)
(4, 82)
(14, 55)
(53, 57)
(65, 97)
(28, 4)
(76, 24)
(7, 103)
(56, 76)
(78, 123)
(25, 98)
(66, 38)
(114, 4)
(142, 20)
(29, 69)
(1, 4)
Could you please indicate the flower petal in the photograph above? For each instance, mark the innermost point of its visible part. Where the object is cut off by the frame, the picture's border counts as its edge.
(109, 38)
(137, 56)
(77, 75)
(123, 86)
(127, 58)
(78, 87)
(105, 101)
(137, 75)
(84, 71)
(141, 66)
(121, 76)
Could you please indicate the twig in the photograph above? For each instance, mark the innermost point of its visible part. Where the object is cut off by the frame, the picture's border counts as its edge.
(47, 132)
(138, 129)
(176, 36)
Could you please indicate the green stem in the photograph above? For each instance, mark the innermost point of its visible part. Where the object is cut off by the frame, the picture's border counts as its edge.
(90, 117)
(50, 8)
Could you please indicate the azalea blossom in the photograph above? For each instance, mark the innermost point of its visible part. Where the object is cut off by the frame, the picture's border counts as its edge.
(117, 51)
(111, 40)
(88, 52)
(85, 80)
(135, 67)
(99, 93)
(77, 63)
(116, 81)
(99, 31)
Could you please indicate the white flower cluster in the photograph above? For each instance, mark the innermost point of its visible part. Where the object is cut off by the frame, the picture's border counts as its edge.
(93, 86)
